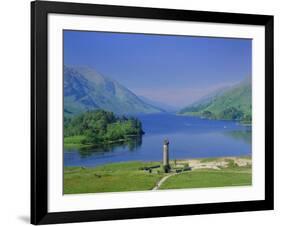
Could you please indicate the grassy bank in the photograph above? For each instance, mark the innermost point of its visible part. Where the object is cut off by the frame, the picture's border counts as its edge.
(109, 178)
(209, 178)
(74, 142)
(130, 176)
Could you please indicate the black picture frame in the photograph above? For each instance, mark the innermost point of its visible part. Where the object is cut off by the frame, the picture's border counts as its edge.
(39, 112)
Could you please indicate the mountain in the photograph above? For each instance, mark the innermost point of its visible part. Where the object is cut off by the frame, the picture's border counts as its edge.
(163, 106)
(210, 96)
(231, 103)
(85, 89)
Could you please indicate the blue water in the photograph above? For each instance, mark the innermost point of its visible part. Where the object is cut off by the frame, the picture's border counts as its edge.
(190, 137)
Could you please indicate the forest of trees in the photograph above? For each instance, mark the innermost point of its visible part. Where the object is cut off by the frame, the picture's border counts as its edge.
(101, 126)
(230, 113)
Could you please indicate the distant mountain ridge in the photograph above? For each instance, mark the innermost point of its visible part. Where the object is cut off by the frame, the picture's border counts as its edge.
(232, 103)
(162, 106)
(85, 89)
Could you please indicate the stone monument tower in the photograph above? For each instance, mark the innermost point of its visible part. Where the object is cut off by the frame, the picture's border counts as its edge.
(166, 165)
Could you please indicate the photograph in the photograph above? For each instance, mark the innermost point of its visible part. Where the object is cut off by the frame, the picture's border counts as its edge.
(145, 112)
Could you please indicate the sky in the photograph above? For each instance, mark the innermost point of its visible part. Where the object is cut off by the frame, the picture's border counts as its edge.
(176, 70)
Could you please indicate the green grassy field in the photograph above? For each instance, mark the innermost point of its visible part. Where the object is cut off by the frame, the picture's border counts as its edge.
(209, 178)
(74, 142)
(109, 178)
(73, 139)
(127, 176)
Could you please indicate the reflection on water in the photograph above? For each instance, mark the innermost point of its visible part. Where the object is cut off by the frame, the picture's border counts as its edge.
(190, 137)
(244, 135)
(130, 144)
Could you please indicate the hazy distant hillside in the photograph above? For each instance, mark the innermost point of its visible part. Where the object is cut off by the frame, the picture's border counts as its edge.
(210, 96)
(162, 106)
(232, 103)
(85, 89)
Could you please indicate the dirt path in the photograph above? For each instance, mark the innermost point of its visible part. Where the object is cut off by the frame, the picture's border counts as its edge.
(215, 164)
(159, 183)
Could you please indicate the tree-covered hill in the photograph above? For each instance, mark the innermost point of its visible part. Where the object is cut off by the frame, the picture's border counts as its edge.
(234, 103)
(99, 127)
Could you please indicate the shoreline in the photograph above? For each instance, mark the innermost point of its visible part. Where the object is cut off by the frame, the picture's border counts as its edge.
(180, 161)
(149, 176)
(79, 145)
(243, 123)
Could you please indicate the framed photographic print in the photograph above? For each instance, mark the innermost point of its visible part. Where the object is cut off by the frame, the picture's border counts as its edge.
(144, 112)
